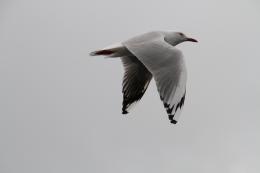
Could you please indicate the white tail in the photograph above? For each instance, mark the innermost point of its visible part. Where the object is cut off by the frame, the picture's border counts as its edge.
(117, 50)
(105, 52)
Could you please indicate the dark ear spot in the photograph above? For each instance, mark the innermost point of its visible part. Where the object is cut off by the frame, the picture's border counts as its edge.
(181, 34)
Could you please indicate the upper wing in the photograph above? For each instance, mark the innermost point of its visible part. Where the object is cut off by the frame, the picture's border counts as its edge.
(135, 82)
(167, 66)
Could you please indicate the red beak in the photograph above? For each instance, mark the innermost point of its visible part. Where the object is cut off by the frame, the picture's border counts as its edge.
(191, 39)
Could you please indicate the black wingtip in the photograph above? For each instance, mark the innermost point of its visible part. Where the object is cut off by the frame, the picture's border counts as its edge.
(174, 121)
(124, 112)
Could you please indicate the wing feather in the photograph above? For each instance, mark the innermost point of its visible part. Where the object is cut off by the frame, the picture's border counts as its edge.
(167, 66)
(135, 81)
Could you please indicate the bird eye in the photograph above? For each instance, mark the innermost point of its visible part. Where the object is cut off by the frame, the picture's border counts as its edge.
(181, 34)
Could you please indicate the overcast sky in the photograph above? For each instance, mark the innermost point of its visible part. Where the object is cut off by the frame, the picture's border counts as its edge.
(60, 110)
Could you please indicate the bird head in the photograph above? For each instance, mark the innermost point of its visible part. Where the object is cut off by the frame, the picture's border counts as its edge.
(175, 38)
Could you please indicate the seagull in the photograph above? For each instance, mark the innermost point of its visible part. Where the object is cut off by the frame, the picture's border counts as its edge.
(152, 55)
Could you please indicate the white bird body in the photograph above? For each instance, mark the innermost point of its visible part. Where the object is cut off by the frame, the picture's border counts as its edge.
(150, 55)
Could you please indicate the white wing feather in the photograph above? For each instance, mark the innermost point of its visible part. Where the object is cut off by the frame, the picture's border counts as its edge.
(167, 66)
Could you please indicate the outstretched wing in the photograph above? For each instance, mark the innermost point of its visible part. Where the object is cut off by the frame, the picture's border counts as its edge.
(167, 66)
(135, 82)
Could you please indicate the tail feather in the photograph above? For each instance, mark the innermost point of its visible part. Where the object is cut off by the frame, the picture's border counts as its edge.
(106, 52)
(117, 50)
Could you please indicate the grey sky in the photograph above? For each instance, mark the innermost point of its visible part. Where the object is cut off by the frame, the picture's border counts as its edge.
(61, 109)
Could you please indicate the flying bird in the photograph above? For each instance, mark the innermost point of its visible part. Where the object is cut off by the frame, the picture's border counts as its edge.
(152, 55)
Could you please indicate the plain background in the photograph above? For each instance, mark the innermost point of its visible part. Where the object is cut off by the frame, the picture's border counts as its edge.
(60, 110)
